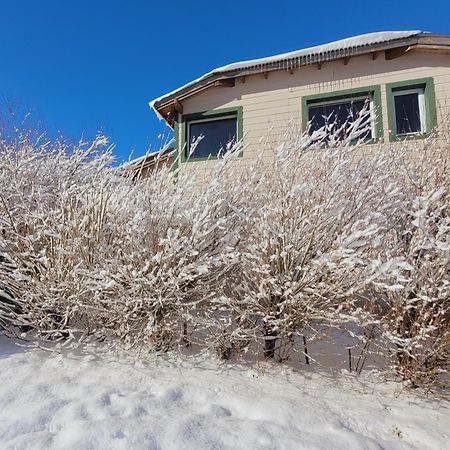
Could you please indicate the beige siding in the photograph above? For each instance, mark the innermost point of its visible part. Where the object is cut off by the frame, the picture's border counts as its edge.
(273, 103)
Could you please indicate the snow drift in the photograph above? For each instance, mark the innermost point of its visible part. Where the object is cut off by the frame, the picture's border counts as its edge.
(50, 401)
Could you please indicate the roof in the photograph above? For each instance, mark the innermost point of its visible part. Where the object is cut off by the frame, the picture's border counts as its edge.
(150, 158)
(352, 46)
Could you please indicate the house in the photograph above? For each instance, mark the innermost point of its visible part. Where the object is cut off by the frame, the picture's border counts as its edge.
(404, 77)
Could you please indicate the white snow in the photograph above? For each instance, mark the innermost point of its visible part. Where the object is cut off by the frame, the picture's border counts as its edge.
(361, 40)
(50, 401)
(342, 44)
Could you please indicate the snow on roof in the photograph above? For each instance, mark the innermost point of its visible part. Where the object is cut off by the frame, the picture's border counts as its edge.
(363, 40)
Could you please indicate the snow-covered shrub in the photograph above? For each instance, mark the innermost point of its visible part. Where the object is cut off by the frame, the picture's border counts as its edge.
(315, 235)
(44, 187)
(86, 251)
(414, 310)
(312, 221)
(175, 251)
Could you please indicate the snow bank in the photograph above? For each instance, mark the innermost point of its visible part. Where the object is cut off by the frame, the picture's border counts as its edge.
(49, 401)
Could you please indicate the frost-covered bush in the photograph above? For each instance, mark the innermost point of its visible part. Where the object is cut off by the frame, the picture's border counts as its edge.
(311, 229)
(44, 189)
(315, 235)
(175, 251)
(313, 223)
(85, 251)
(414, 312)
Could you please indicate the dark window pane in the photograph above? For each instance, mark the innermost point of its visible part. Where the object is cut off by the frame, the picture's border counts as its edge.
(407, 113)
(217, 135)
(338, 114)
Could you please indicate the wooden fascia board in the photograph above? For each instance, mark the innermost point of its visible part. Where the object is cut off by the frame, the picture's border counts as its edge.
(434, 39)
(427, 48)
(187, 92)
(420, 47)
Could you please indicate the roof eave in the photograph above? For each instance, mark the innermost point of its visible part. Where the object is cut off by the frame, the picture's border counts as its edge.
(423, 41)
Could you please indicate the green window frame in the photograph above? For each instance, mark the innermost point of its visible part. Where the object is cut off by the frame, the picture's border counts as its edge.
(427, 84)
(373, 91)
(205, 115)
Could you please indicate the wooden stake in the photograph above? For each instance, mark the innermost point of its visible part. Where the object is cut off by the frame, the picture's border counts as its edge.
(306, 351)
(360, 356)
(362, 365)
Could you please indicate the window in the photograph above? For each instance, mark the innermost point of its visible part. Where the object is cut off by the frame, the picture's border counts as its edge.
(409, 111)
(411, 108)
(339, 110)
(210, 137)
(208, 134)
(338, 114)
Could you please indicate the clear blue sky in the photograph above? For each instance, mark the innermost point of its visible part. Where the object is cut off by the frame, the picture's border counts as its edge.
(83, 66)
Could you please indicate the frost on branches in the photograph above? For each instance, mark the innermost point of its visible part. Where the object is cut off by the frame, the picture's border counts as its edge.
(319, 233)
(414, 315)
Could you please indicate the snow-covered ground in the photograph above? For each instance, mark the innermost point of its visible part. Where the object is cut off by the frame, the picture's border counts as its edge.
(49, 401)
